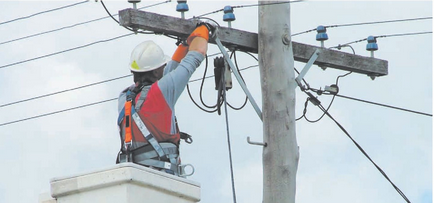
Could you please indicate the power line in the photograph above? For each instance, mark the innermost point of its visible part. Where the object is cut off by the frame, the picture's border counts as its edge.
(74, 25)
(365, 23)
(63, 91)
(251, 5)
(379, 22)
(42, 12)
(384, 105)
(67, 50)
(56, 112)
(384, 36)
(366, 155)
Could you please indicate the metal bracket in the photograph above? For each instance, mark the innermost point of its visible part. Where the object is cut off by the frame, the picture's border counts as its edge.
(238, 76)
(255, 143)
(307, 67)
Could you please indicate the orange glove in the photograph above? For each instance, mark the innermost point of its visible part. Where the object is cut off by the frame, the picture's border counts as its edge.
(201, 31)
(180, 53)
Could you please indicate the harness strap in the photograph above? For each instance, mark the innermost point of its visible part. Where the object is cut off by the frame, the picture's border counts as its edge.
(142, 97)
(150, 138)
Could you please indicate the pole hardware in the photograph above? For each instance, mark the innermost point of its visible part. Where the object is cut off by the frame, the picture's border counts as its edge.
(264, 144)
(237, 75)
(228, 15)
(134, 2)
(322, 35)
(286, 39)
(182, 7)
(306, 68)
(372, 45)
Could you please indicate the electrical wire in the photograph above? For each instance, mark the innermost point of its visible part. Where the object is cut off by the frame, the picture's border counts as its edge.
(229, 139)
(384, 105)
(83, 86)
(128, 28)
(236, 65)
(47, 114)
(74, 25)
(63, 91)
(384, 36)
(251, 5)
(56, 112)
(67, 50)
(42, 12)
(365, 23)
(378, 22)
(366, 155)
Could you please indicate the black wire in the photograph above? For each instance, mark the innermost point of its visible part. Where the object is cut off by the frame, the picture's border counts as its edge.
(201, 87)
(71, 26)
(364, 23)
(304, 110)
(236, 65)
(191, 97)
(56, 112)
(67, 50)
(42, 12)
(128, 28)
(330, 104)
(63, 91)
(384, 105)
(366, 155)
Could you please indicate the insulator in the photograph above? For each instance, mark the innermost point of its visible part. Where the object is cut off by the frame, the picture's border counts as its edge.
(182, 6)
(229, 13)
(372, 44)
(322, 35)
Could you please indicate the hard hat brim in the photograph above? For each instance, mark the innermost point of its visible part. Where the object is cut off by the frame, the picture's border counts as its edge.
(166, 60)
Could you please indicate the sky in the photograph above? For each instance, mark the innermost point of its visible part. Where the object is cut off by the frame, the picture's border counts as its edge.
(331, 168)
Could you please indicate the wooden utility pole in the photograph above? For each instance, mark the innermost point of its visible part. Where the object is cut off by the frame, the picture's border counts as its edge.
(280, 156)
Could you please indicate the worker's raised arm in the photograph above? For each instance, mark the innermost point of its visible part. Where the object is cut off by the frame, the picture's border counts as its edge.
(198, 39)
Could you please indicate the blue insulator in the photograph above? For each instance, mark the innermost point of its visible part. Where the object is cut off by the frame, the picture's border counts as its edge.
(372, 44)
(182, 6)
(322, 35)
(229, 13)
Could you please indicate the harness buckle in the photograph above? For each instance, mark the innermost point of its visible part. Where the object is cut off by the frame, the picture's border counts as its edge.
(181, 170)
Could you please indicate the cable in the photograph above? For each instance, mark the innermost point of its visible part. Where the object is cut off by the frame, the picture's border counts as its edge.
(74, 25)
(251, 5)
(379, 22)
(63, 91)
(229, 143)
(67, 50)
(56, 112)
(384, 105)
(364, 23)
(366, 155)
(79, 87)
(128, 28)
(42, 12)
(236, 65)
(383, 36)
(310, 98)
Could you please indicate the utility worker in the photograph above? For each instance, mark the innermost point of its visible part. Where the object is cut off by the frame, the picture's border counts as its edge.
(148, 129)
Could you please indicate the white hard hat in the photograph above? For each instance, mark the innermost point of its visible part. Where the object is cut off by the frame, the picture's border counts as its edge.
(147, 56)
